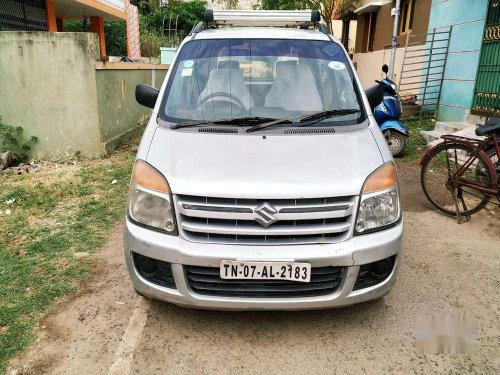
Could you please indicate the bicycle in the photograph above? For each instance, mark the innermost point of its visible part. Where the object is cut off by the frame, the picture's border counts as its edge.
(460, 175)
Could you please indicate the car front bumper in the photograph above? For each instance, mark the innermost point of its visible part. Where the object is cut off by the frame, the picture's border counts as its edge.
(352, 253)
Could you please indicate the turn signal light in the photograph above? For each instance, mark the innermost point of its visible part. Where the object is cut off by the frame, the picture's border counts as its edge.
(147, 177)
(383, 178)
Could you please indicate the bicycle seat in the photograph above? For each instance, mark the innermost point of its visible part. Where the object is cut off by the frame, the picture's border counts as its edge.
(491, 126)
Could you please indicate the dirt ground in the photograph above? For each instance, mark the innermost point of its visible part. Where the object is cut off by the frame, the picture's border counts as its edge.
(446, 268)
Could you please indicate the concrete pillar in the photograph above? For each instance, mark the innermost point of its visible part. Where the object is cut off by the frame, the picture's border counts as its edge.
(50, 13)
(97, 26)
(133, 43)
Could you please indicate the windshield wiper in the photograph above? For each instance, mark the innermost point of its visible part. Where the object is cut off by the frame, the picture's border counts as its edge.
(313, 118)
(229, 121)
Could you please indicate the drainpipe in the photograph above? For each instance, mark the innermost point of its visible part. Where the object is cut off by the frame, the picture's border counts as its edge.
(394, 39)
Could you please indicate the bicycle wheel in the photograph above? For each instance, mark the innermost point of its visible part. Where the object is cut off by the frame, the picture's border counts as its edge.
(443, 162)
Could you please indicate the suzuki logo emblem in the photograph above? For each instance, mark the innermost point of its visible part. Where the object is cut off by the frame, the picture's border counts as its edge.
(265, 215)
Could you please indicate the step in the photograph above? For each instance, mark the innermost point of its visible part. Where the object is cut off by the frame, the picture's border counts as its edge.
(451, 127)
(431, 135)
(468, 132)
(474, 120)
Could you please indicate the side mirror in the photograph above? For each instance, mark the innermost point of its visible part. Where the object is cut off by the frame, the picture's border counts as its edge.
(385, 69)
(146, 95)
(375, 95)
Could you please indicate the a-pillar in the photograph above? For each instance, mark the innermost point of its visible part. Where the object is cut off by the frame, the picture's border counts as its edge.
(50, 13)
(97, 26)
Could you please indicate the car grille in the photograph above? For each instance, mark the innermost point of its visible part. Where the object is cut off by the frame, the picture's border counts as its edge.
(207, 281)
(274, 221)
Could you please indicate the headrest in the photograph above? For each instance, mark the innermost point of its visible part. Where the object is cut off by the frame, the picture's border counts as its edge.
(228, 64)
(282, 66)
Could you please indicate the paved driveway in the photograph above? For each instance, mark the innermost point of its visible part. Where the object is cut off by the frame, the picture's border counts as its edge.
(446, 269)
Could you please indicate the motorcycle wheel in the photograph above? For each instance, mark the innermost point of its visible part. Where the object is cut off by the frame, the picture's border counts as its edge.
(395, 141)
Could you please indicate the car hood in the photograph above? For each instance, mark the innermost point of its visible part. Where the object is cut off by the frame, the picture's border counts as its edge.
(264, 166)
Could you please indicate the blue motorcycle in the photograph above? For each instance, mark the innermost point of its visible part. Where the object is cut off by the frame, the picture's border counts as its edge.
(387, 115)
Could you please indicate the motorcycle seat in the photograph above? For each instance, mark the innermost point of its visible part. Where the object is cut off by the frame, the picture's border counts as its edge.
(492, 126)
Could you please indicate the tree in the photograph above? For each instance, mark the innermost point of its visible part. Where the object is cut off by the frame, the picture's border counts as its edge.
(327, 8)
(345, 12)
(230, 4)
(115, 34)
(281, 4)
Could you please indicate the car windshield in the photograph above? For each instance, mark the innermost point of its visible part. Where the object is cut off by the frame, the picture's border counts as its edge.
(273, 79)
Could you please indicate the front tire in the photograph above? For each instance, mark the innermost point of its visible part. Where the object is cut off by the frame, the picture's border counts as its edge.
(396, 142)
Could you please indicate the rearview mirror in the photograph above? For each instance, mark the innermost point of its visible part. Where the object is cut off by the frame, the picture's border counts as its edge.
(375, 95)
(146, 95)
(385, 68)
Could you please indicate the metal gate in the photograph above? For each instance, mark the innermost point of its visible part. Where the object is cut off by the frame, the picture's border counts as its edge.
(23, 15)
(487, 91)
(422, 71)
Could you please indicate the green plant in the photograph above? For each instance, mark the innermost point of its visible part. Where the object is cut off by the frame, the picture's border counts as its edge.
(12, 139)
(415, 143)
(327, 8)
(230, 4)
(187, 15)
(115, 34)
(152, 17)
(76, 26)
(54, 215)
(151, 43)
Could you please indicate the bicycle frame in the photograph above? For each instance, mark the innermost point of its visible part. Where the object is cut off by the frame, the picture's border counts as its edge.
(455, 179)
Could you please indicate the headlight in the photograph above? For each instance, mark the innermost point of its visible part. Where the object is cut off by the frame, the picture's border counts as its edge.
(150, 200)
(394, 87)
(379, 204)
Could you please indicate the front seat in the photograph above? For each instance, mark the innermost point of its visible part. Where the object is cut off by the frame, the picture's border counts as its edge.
(294, 89)
(229, 81)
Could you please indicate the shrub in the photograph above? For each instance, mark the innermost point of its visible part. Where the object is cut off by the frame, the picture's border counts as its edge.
(115, 34)
(190, 13)
(12, 139)
(151, 43)
(150, 26)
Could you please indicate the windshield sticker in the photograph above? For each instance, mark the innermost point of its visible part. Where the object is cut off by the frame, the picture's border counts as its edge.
(330, 49)
(187, 72)
(188, 64)
(336, 65)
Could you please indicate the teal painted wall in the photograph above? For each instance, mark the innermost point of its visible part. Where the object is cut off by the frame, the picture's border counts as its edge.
(467, 18)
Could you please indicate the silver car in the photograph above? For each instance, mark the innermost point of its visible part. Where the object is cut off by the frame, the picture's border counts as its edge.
(262, 180)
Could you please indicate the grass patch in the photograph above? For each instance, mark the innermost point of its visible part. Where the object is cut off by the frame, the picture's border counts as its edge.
(45, 218)
(416, 144)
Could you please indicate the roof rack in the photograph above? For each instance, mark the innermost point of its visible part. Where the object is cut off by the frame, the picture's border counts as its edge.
(262, 17)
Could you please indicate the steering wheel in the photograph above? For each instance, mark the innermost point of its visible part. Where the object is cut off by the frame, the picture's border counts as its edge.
(230, 98)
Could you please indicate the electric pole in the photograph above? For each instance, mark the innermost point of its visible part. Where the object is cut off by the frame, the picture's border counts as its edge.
(394, 39)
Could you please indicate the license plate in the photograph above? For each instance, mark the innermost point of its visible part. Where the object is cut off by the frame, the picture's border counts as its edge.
(242, 270)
